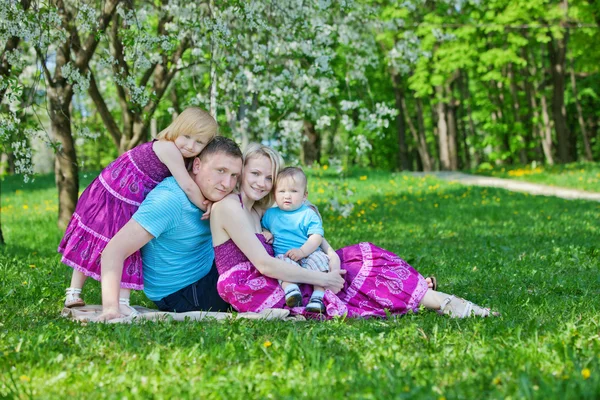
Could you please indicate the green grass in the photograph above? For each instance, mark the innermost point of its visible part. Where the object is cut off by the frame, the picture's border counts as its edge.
(580, 175)
(535, 259)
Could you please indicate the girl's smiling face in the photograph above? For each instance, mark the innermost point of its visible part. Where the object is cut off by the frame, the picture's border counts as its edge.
(191, 145)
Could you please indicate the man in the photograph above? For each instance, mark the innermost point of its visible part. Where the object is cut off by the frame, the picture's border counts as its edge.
(176, 245)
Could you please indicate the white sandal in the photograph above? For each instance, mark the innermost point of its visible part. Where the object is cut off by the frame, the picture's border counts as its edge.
(125, 302)
(73, 298)
(455, 307)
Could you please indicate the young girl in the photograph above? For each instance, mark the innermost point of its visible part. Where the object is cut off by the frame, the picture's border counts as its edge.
(297, 234)
(115, 195)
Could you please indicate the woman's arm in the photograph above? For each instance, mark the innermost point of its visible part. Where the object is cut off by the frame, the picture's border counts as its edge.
(228, 216)
(334, 259)
(170, 155)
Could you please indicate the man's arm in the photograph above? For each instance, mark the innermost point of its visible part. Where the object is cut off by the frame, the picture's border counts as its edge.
(127, 241)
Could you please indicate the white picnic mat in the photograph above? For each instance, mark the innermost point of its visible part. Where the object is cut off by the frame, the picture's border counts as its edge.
(88, 313)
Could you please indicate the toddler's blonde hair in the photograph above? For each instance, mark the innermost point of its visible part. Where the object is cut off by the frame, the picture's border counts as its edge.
(192, 121)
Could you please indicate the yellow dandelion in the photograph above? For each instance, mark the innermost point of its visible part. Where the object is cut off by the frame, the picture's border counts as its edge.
(325, 167)
(25, 207)
(586, 373)
(24, 282)
(363, 178)
(31, 265)
(267, 343)
(320, 191)
(25, 378)
(497, 381)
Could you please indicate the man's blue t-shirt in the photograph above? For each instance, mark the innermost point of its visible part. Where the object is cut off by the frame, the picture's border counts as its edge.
(291, 229)
(181, 252)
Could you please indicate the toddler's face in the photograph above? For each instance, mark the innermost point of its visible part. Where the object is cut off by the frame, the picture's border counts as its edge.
(191, 145)
(290, 194)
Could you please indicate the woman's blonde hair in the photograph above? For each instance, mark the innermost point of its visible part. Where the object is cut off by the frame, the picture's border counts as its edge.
(256, 150)
(192, 121)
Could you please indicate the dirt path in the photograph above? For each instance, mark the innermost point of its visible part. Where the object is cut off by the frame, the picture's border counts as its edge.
(515, 186)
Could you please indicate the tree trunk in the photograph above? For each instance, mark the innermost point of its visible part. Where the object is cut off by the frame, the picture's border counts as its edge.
(499, 95)
(452, 129)
(586, 141)
(533, 117)
(426, 159)
(403, 162)
(419, 138)
(516, 109)
(546, 129)
(442, 130)
(65, 162)
(309, 152)
(463, 91)
(557, 49)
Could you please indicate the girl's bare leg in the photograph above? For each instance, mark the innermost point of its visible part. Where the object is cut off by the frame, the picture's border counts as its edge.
(77, 279)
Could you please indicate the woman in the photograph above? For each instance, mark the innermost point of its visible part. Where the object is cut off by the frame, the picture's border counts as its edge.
(375, 280)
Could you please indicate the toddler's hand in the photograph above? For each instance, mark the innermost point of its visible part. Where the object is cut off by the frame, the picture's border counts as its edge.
(208, 205)
(295, 254)
(268, 236)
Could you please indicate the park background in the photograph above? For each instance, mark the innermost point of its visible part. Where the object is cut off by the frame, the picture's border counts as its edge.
(360, 93)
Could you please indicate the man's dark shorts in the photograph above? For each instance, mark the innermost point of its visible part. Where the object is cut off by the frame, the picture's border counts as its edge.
(199, 296)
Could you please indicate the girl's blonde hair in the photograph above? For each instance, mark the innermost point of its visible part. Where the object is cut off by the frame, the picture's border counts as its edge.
(256, 150)
(192, 121)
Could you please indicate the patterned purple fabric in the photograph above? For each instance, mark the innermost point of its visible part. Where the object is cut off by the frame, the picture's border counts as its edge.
(105, 206)
(376, 280)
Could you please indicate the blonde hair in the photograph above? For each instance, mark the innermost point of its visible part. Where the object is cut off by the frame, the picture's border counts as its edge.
(256, 150)
(192, 121)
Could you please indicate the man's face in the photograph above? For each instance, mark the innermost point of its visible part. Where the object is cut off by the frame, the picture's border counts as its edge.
(217, 175)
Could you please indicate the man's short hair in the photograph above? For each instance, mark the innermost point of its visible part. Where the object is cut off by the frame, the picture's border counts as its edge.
(221, 144)
(294, 173)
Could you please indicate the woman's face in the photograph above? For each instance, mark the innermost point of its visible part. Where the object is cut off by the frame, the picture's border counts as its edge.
(257, 178)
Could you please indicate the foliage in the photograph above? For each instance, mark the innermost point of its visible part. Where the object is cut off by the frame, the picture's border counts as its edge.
(532, 258)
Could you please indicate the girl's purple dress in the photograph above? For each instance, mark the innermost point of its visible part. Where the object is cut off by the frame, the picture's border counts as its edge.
(376, 281)
(105, 206)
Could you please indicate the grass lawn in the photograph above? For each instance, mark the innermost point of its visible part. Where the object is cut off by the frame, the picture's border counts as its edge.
(535, 259)
(581, 175)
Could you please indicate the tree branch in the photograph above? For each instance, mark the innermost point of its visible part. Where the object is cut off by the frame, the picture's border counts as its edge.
(44, 66)
(84, 55)
(105, 114)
